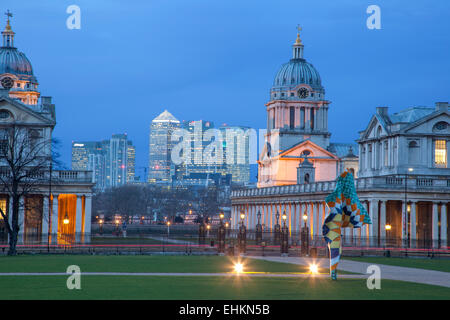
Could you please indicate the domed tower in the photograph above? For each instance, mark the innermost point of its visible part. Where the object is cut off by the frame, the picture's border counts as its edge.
(297, 109)
(16, 72)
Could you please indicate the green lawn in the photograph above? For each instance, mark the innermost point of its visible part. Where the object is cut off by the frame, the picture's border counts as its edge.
(166, 288)
(430, 264)
(128, 263)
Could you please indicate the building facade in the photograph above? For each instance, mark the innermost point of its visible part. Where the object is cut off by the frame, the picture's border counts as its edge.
(400, 165)
(57, 196)
(161, 167)
(297, 128)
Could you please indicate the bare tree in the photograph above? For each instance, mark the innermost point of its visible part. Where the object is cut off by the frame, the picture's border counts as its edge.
(25, 157)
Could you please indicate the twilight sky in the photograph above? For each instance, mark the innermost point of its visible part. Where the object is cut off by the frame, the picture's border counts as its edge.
(216, 60)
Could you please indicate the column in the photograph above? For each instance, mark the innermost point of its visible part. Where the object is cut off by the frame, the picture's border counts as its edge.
(404, 219)
(54, 218)
(444, 224)
(435, 220)
(383, 220)
(88, 212)
(294, 217)
(45, 216)
(373, 228)
(79, 212)
(314, 213)
(413, 217)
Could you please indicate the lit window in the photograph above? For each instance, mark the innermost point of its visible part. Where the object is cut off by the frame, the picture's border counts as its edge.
(440, 153)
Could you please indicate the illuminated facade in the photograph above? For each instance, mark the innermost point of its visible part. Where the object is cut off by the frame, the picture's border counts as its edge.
(401, 165)
(57, 194)
(111, 161)
(161, 167)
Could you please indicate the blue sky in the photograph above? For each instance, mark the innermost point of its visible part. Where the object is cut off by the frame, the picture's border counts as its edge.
(216, 59)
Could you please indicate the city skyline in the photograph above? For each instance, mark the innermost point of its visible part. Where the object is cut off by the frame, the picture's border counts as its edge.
(250, 55)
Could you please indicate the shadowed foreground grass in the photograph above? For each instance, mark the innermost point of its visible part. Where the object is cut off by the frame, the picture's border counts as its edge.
(430, 264)
(233, 287)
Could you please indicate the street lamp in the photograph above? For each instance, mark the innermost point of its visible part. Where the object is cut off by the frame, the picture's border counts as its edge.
(242, 236)
(101, 225)
(207, 230)
(168, 229)
(221, 235)
(66, 228)
(305, 236)
(284, 236)
(258, 234)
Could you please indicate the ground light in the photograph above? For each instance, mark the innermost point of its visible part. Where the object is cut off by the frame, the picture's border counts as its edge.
(313, 268)
(238, 267)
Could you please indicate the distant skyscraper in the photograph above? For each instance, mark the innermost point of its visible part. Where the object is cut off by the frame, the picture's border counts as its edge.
(160, 165)
(111, 161)
(131, 162)
(90, 156)
(236, 152)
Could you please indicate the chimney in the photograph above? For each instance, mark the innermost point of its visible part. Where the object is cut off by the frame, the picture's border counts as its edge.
(382, 111)
(441, 106)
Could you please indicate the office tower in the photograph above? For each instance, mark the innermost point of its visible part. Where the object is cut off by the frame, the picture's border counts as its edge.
(131, 162)
(161, 166)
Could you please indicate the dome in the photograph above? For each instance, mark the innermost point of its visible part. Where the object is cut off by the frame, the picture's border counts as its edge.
(295, 72)
(15, 62)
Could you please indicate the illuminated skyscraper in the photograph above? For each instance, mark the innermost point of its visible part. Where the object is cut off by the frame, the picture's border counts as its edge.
(90, 156)
(131, 162)
(160, 165)
(236, 152)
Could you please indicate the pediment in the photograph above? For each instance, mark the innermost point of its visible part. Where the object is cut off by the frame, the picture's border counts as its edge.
(315, 151)
(22, 113)
(428, 124)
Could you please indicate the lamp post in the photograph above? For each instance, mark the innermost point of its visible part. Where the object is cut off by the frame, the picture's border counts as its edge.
(277, 229)
(201, 232)
(242, 236)
(66, 227)
(405, 212)
(168, 229)
(100, 222)
(305, 236)
(221, 236)
(258, 235)
(284, 237)
(117, 226)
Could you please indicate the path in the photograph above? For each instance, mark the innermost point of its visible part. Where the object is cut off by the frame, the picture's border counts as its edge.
(184, 274)
(437, 278)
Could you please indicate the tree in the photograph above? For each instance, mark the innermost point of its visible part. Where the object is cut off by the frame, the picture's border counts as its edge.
(25, 157)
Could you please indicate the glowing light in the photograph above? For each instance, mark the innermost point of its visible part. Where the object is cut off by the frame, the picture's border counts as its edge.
(221, 216)
(305, 217)
(66, 221)
(226, 224)
(313, 268)
(388, 227)
(208, 226)
(410, 169)
(117, 221)
(238, 268)
(100, 221)
(242, 216)
(284, 217)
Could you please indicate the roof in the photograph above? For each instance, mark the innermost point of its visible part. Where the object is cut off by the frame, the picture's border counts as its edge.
(411, 114)
(342, 149)
(166, 116)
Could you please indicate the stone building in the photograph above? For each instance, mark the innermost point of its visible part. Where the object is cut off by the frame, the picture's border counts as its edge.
(60, 196)
(400, 165)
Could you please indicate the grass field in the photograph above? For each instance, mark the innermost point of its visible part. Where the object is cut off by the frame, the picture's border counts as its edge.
(166, 263)
(188, 287)
(167, 288)
(430, 264)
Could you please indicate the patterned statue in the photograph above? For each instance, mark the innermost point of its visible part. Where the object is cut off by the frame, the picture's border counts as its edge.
(345, 212)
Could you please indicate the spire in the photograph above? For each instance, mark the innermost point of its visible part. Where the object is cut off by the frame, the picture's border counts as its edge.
(8, 34)
(298, 45)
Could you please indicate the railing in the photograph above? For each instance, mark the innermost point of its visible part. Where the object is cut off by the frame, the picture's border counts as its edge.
(391, 182)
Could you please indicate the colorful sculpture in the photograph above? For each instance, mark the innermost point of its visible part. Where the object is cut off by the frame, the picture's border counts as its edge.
(346, 211)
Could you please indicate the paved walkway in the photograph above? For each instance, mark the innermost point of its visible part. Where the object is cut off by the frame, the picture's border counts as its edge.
(437, 278)
(179, 274)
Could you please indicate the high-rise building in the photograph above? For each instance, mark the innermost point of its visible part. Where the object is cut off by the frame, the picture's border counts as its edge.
(160, 165)
(131, 162)
(111, 161)
(236, 152)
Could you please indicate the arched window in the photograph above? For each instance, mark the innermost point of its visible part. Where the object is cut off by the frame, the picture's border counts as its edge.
(307, 178)
(441, 127)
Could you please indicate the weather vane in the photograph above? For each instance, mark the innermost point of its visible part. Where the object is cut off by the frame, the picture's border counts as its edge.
(299, 28)
(8, 14)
